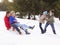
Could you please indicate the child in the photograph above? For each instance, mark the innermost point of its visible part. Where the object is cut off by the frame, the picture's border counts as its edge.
(42, 20)
(6, 20)
(16, 24)
(50, 21)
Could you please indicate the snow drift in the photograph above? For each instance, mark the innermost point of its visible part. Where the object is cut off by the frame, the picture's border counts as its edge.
(35, 38)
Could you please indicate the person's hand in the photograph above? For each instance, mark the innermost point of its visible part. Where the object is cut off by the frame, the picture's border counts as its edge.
(15, 20)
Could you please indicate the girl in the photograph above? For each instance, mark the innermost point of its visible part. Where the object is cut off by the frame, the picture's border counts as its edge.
(16, 24)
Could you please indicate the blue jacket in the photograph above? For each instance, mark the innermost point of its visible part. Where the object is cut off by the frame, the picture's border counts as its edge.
(12, 20)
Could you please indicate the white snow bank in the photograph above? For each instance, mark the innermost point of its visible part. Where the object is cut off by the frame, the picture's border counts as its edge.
(35, 38)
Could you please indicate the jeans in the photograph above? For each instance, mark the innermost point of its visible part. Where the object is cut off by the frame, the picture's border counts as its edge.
(17, 29)
(40, 25)
(52, 25)
(25, 27)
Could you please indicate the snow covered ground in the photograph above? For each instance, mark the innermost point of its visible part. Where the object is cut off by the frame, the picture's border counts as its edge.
(35, 38)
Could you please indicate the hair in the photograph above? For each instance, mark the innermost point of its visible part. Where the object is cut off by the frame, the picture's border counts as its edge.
(7, 12)
(52, 10)
(12, 11)
(41, 14)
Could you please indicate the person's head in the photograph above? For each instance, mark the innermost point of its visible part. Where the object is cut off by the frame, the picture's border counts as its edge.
(51, 12)
(12, 13)
(8, 13)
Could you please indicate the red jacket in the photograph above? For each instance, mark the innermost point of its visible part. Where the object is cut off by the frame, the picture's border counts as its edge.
(7, 23)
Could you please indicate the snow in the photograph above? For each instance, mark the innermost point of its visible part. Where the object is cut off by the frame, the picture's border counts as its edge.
(35, 38)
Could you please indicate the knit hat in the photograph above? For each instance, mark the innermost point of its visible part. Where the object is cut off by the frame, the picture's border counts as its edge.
(45, 13)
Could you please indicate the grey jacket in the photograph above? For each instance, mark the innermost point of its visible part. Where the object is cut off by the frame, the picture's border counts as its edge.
(50, 19)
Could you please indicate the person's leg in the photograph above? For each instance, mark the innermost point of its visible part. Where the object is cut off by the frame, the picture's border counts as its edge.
(17, 29)
(46, 27)
(19, 25)
(13, 28)
(40, 25)
(52, 25)
(8, 28)
(31, 27)
(26, 32)
(23, 26)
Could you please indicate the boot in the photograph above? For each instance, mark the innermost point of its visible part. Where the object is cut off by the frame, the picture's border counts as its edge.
(32, 27)
(54, 32)
(27, 32)
(20, 33)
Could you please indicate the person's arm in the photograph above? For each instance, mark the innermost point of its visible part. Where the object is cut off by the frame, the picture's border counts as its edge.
(6, 19)
(14, 19)
(50, 18)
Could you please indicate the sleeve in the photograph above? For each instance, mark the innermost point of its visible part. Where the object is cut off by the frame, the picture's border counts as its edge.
(11, 19)
(51, 18)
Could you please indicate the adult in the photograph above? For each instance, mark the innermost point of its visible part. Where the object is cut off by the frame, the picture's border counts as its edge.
(50, 21)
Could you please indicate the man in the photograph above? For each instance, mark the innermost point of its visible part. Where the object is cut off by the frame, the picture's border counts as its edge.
(50, 21)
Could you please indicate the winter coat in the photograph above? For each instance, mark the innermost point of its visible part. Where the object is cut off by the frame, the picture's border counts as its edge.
(50, 19)
(7, 23)
(12, 20)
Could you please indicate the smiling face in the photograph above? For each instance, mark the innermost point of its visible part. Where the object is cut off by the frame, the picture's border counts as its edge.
(12, 13)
